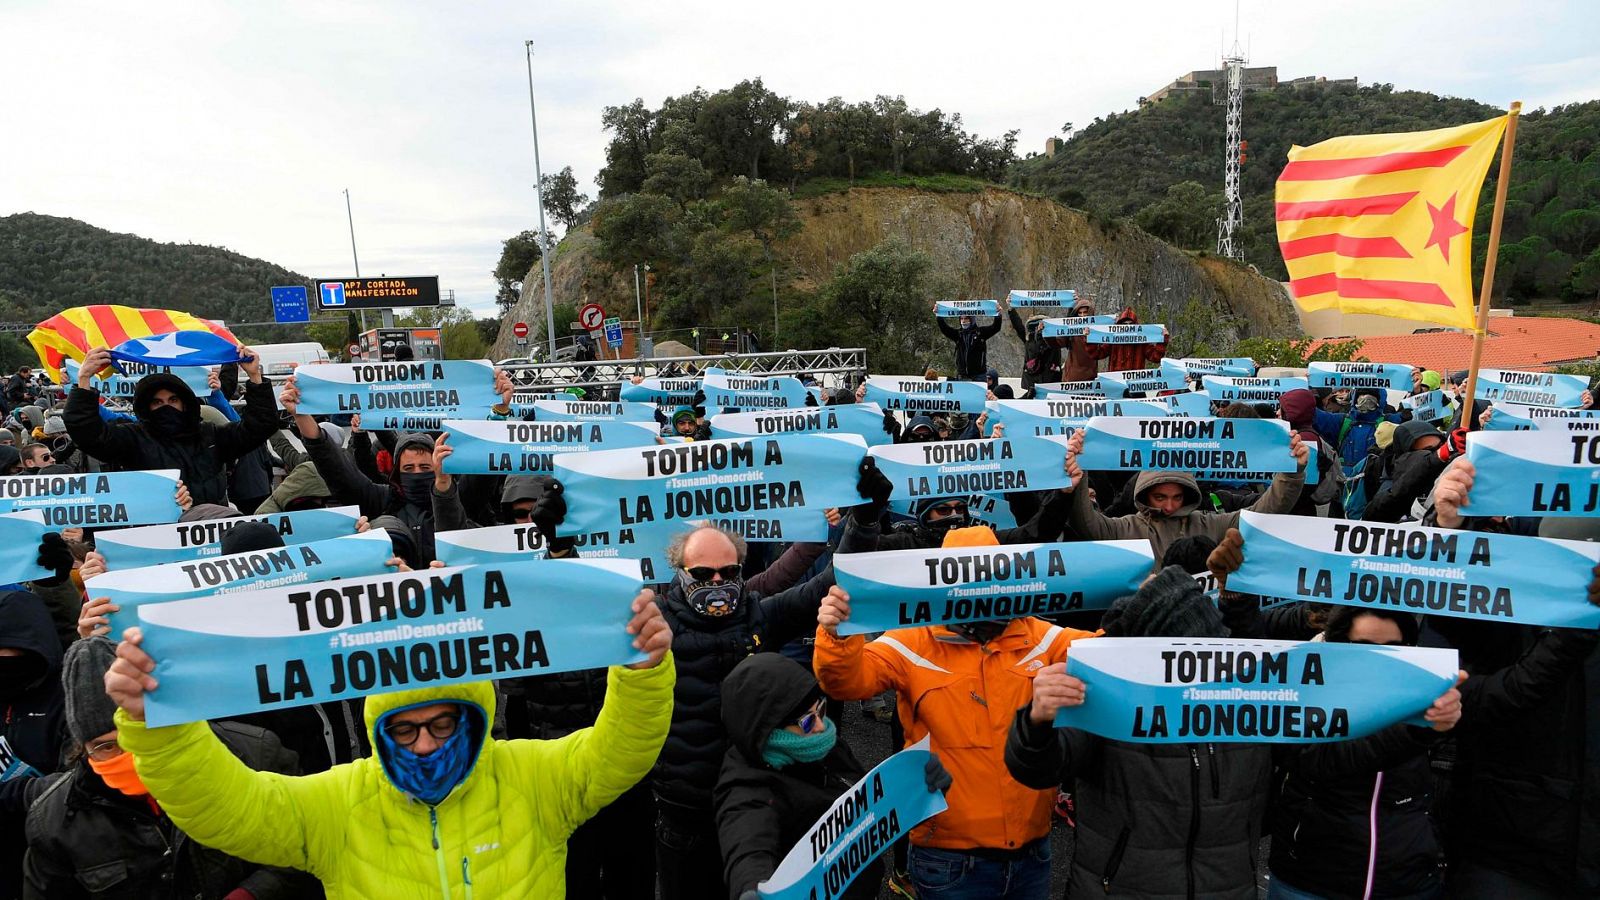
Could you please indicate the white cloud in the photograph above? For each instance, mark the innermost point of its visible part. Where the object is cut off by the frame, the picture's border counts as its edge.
(241, 124)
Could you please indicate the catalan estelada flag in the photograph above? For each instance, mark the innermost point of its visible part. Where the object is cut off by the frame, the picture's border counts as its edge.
(72, 333)
(1382, 223)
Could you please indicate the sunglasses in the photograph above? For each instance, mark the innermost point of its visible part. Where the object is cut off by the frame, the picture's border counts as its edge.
(441, 726)
(816, 712)
(945, 510)
(704, 573)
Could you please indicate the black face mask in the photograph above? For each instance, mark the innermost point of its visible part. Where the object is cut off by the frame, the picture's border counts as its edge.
(167, 419)
(20, 674)
(979, 632)
(716, 600)
(417, 486)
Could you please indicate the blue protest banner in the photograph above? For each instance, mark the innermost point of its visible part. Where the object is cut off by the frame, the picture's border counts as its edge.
(892, 589)
(399, 396)
(95, 500)
(668, 392)
(1064, 327)
(1126, 334)
(149, 545)
(1521, 417)
(1033, 299)
(288, 646)
(1139, 381)
(864, 419)
(983, 466)
(122, 386)
(1069, 389)
(340, 557)
(13, 766)
(548, 410)
(1184, 404)
(917, 395)
(608, 490)
(866, 820)
(1535, 473)
(529, 448)
(950, 309)
(1531, 388)
(1024, 418)
(499, 544)
(1234, 366)
(1186, 690)
(743, 391)
(1250, 390)
(1354, 375)
(22, 532)
(1185, 445)
(1414, 568)
(1429, 407)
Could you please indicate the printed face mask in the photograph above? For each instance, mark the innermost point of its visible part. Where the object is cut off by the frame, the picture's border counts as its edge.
(714, 599)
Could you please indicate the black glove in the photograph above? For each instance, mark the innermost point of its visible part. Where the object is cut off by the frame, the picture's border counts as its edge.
(874, 488)
(811, 399)
(891, 425)
(548, 512)
(936, 776)
(55, 555)
(699, 404)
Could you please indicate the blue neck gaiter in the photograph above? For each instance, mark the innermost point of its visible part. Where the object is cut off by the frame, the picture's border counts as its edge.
(431, 778)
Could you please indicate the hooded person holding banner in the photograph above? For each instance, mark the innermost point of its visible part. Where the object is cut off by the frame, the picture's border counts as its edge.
(971, 345)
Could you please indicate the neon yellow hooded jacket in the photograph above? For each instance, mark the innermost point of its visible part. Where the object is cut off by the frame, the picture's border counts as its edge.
(501, 833)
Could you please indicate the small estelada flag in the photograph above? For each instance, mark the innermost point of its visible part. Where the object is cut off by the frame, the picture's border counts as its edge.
(1382, 223)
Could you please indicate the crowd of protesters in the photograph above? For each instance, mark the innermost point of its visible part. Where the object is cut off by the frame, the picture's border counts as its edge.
(691, 774)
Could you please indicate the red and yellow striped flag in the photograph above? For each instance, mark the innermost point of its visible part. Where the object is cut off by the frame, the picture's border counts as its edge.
(72, 333)
(1382, 223)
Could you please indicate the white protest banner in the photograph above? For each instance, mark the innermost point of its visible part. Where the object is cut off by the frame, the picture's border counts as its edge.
(1187, 690)
(892, 589)
(1532, 388)
(917, 395)
(1064, 327)
(864, 419)
(95, 500)
(498, 544)
(1185, 404)
(1521, 417)
(1033, 299)
(744, 390)
(1138, 381)
(664, 392)
(1534, 473)
(1185, 445)
(288, 646)
(122, 385)
(950, 309)
(1078, 389)
(399, 396)
(1429, 407)
(509, 447)
(1417, 569)
(149, 545)
(1354, 375)
(1024, 418)
(1250, 390)
(866, 820)
(1127, 334)
(340, 557)
(554, 410)
(983, 466)
(1234, 366)
(740, 478)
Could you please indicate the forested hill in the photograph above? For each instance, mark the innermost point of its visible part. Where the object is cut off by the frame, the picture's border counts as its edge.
(1162, 167)
(48, 264)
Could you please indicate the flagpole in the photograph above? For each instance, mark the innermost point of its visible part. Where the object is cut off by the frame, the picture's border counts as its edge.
(1502, 183)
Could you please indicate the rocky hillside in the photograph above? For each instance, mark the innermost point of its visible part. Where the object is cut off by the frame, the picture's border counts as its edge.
(986, 243)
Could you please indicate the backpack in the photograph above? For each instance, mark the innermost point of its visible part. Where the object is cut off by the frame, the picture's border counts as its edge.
(1329, 494)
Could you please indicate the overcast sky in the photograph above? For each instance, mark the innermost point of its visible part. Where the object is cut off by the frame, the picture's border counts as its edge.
(240, 123)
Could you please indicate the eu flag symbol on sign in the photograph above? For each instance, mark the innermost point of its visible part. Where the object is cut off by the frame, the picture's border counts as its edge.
(289, 304)
(332, 293)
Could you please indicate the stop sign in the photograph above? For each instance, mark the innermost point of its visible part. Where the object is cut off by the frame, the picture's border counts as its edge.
(520, 329)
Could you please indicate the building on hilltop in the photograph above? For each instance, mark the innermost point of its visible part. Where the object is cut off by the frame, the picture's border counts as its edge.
(1257, 78)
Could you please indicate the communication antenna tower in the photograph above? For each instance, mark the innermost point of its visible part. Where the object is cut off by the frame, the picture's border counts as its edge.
(1232, 206)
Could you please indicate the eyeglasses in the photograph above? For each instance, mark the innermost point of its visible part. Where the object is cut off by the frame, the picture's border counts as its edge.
(521, 513)
(441, 726)
(105, 750)
(812, 715)
(704, 573)
(944, 510)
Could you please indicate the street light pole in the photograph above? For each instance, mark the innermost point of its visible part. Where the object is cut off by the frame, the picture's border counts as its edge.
(639, 306)
(349, 216)
(544, 248)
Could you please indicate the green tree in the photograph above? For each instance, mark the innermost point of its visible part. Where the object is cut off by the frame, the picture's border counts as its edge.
(738, 126)
(1186, 216)
(676, 175)
(562, 199)
(753, 208)
(1297, 353)
(463, 340)
(518, 253)
(880, 297)
(330, 333)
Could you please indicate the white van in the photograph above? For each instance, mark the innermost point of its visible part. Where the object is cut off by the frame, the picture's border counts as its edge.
(280, 360)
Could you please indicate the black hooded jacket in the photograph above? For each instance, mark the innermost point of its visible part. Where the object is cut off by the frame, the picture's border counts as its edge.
(33, 730)
(705, 650)
(972, 347)
(762, 811)
(201, 452)
(348, 486)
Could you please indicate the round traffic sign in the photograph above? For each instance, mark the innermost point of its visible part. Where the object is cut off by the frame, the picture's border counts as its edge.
(592, 316)
(520, 329)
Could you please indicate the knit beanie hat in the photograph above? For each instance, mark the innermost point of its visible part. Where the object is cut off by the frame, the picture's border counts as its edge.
(247, 536)
(83, 680)
(1431, 380)
(1169, 604)
(1383, 435)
